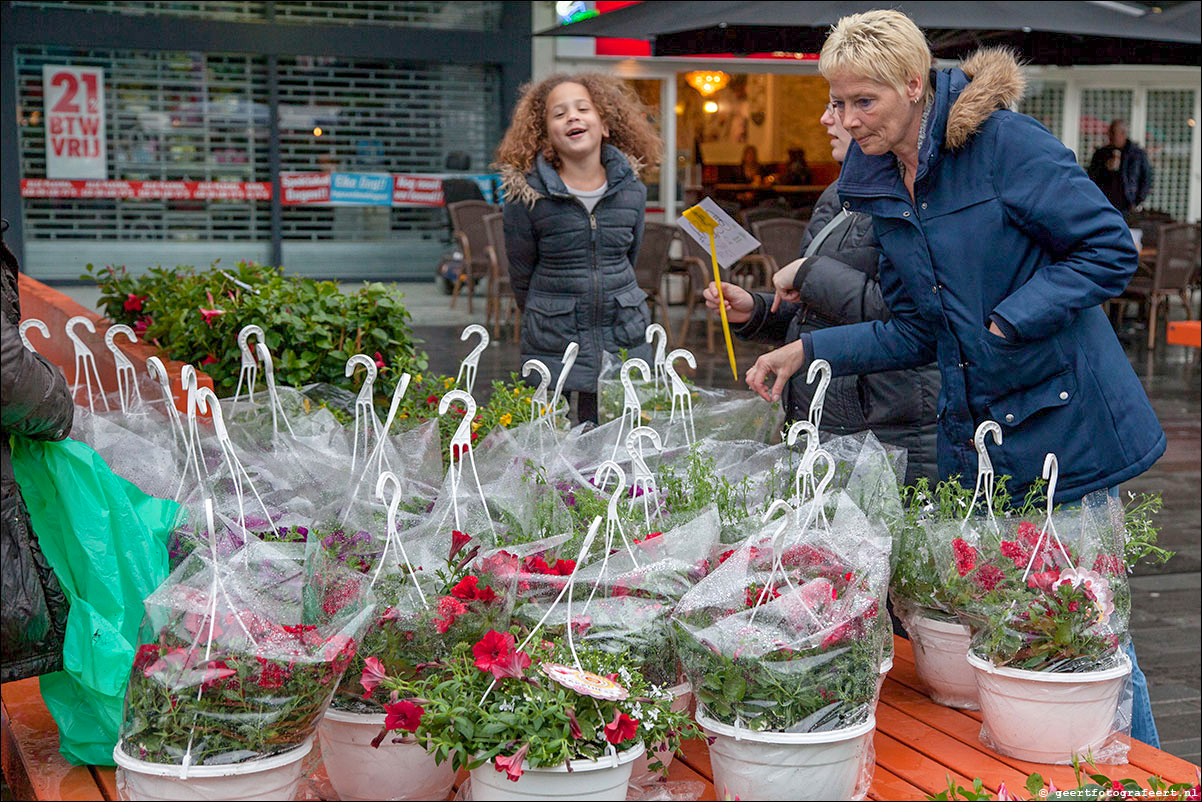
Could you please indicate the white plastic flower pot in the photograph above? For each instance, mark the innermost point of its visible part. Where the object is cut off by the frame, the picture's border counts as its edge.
(641, 774)
(606, 778)
(268, 778)
(357, 770)
(781, 765)
(1047, 717)
(939, 650)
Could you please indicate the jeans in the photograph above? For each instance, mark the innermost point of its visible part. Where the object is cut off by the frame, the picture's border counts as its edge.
(1143, 725)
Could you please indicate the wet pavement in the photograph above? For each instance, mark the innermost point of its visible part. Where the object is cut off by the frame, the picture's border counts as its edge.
(1166, 618)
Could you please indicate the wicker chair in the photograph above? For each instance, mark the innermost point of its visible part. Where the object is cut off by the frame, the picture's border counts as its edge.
(500, 291)
(1177, 255)
(652, 265)
(467, 220)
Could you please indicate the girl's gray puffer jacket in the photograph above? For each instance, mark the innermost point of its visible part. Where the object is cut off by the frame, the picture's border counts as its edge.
(572, 271)
(839, 285)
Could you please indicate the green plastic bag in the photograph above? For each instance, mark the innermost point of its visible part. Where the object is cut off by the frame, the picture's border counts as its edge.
(107, 543)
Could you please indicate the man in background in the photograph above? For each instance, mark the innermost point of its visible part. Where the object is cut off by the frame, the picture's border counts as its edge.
(1121, 169)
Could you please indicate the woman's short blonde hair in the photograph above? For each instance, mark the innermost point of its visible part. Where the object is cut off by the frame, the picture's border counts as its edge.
(883, 45)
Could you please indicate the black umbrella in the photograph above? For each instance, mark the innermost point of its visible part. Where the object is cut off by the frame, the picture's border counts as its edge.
(1066, 33)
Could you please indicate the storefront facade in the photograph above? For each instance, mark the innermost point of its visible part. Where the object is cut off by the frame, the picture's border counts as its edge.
(298, 133)
(780, 100)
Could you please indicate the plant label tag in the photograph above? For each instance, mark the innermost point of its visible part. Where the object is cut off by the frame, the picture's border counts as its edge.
(584, 682)
(731, 241)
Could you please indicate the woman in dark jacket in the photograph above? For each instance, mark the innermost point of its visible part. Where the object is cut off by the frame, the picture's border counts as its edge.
(573, 223)
(34, 402)
(836, 282)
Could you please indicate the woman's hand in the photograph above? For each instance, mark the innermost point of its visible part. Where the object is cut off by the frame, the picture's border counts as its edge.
(739, 303)
(782, 282)
(782, 364)
(993, 329)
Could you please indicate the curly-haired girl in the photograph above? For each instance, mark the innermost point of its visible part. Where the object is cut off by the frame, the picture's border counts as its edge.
(574, 220)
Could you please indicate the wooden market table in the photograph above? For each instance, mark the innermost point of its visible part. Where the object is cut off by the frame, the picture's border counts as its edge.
(919, 744)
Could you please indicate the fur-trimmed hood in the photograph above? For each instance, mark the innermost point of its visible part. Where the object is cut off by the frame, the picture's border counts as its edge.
(542, 181)
(996, 82)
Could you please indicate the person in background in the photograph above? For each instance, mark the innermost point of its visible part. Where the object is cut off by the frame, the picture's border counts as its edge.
(997, 252)
(1121, 169)
(34, 402)
(836, 282)
(798, 172)
(750, 169)
(574, 220)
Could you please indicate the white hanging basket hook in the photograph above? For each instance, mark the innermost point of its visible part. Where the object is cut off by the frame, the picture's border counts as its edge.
(822, 369)
(985, 476)
(249, 370)
(84, 361)
(467, 368)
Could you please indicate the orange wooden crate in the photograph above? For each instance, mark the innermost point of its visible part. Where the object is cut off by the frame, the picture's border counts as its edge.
(919, 745)
(1184, 332)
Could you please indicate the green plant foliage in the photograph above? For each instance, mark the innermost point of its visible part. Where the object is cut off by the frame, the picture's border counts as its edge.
(310, 326)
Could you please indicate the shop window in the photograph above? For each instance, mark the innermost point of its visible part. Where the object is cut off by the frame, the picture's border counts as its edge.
(1167, 138)
(1045, 102)
(1098, 108)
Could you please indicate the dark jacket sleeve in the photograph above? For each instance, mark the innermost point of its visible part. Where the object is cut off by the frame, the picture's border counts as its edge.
(840, 292)
(521, 247)
(1144, 175)
(35, 400)
(764, 325)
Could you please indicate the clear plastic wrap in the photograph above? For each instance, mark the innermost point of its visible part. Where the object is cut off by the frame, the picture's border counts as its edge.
(241, 656)
(788, 633)
(1049, 607)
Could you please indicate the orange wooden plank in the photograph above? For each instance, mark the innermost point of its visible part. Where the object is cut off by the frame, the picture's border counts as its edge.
(679, 771)
(915, 768)
(31, 747)
(887, 786)
(696, 755)
(106, 780)
(969, 760)
(1160, 763)
(1184, 332)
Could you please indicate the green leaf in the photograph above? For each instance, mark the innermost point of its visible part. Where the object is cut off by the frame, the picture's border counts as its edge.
(735, 688)
(1034, 784)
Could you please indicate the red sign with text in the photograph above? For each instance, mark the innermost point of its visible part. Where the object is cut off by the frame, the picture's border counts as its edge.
(147, 190)
(74, 113)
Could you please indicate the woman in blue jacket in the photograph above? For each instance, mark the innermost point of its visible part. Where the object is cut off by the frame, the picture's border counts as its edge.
(997, 251)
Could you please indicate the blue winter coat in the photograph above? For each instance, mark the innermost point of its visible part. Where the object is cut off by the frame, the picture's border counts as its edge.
(573, 271)
(1005, 226)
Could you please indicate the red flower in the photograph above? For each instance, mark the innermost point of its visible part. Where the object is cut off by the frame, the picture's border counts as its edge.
(535, 565)
(838, 635)
(147, 654)
(450, 608)
(379, 360)
(458, 541)
(403, 715)
(496, 653)
(271, 674)
(208, 360)
(209, 314)
(492, 648)
(142, 324)
(468, 589)
(724, 556)
(622, 728)
(965, 555)
(373, 675)
(1011, 549)
(563, 567)
(338, 652)
(214, 673)
(1044, 580)
(512, 765)
(431, 399)
(133, 303)
(651, 536)
(988, 576)
(573, 724)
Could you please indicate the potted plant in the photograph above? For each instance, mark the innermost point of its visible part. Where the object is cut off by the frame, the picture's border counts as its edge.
(240, 660)
(785, 645)
(1048, 633)
(945, 565)
(409, 633)
(548, 722)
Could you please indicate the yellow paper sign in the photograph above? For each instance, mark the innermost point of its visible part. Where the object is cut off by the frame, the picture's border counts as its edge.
(706, 224)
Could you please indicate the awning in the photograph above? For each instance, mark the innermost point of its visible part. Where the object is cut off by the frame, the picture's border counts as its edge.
(1065, 33)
